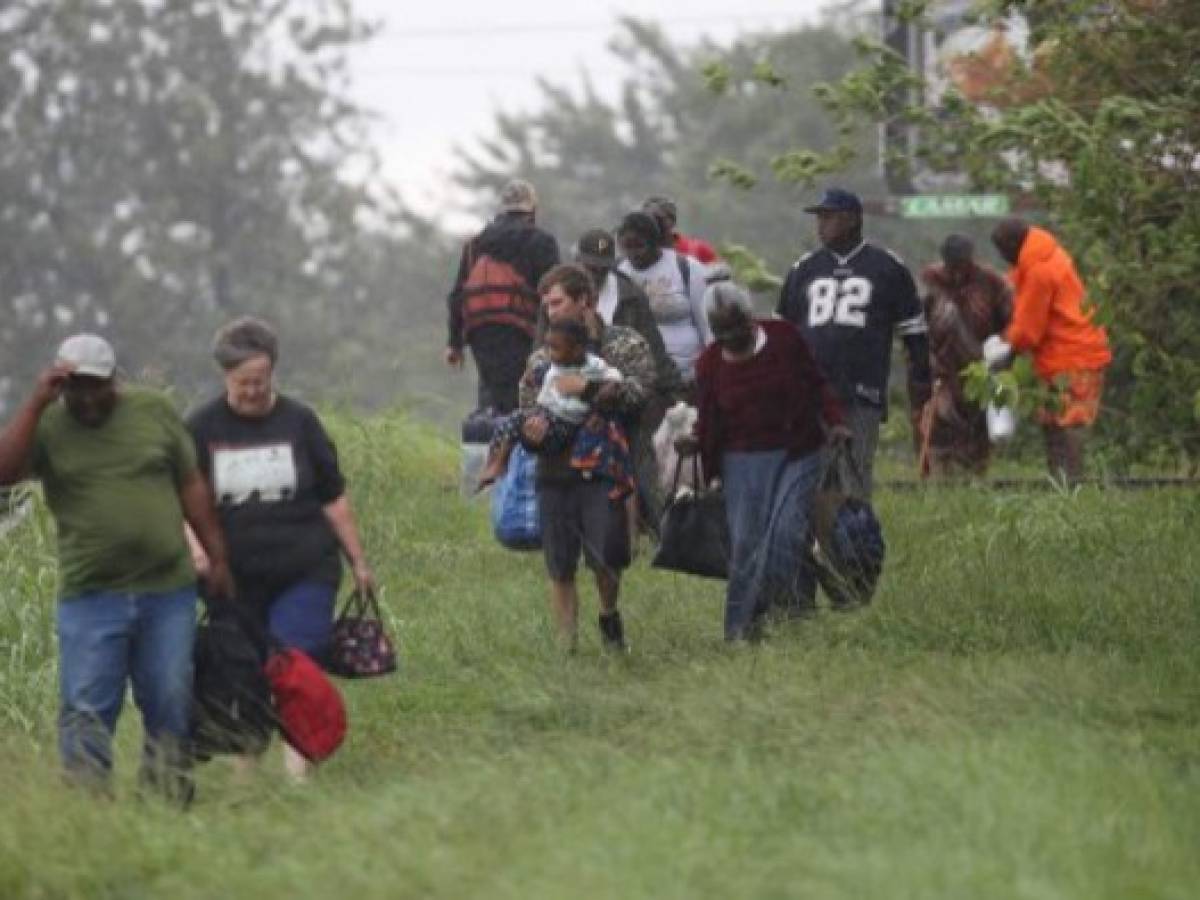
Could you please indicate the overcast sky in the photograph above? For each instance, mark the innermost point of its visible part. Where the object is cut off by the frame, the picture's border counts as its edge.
(439, 70)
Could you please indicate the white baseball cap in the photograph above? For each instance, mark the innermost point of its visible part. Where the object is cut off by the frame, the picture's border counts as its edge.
(88, 354)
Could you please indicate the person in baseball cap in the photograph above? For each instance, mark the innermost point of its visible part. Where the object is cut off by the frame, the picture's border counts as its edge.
(596, 251)
(596, 247)
(837, 200)
(839, 215)
(88, 354)
(89, 387)
(850, 298)
(120, 476)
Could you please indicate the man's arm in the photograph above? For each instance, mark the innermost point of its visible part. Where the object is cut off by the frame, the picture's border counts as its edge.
(454, 302)
(914, 331)
(1031, 312)
(18, 438)
(629, 354)
(916, 348)
(544, 256)
(199, 512)
(788, 306)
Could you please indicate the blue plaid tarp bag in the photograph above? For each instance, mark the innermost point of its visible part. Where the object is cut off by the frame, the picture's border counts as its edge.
(516, 521)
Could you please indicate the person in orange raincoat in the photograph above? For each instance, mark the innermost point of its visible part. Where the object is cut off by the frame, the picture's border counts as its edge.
(1050, 322)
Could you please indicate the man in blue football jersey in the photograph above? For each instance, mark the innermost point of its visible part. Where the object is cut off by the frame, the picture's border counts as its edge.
(849, 298)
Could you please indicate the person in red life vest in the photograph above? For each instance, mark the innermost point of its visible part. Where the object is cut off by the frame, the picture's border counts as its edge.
(966, 302)
(493, 304)
(1050, 322)
(666, 214)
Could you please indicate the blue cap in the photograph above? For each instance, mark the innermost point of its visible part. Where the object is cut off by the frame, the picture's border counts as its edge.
(837, 200)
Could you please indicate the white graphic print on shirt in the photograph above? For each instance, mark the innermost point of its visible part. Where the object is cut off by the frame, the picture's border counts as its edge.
(266, 474)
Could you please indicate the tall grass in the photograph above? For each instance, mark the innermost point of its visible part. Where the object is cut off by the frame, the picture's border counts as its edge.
(1017, 715)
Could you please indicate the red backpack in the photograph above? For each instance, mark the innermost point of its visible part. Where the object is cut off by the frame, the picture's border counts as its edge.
(310, 710)
(494, 293)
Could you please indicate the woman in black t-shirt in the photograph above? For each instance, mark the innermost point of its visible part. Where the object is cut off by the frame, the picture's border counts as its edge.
(280, 495)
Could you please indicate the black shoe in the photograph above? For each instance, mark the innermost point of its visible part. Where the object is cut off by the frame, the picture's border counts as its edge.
(612, 632)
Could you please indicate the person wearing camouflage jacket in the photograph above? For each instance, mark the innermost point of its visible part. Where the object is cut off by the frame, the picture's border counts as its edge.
(578, 515)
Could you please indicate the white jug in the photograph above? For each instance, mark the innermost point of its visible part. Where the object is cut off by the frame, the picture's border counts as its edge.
(1001, 423)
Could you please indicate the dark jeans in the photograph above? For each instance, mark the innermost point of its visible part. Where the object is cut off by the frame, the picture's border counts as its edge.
(768, 503)
(500, 352)
(107, 639)
(863, 421)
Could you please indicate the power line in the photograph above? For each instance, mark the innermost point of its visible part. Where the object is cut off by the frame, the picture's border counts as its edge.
(384, 72)
(439, 32)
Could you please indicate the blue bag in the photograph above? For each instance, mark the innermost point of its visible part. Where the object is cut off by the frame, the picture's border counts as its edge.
(516, 521)
(850, 548)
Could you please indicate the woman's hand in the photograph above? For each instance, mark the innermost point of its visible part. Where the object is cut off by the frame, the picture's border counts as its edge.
(364, 578)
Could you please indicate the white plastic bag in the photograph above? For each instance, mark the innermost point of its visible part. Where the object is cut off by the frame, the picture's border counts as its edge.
(1001, 423)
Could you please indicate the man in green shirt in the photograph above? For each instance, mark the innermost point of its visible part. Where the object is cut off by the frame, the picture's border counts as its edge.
(119, 473)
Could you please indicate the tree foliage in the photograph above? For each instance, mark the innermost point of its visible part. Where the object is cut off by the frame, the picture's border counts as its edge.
(164, 166)
(1101, 127)
(593, 159)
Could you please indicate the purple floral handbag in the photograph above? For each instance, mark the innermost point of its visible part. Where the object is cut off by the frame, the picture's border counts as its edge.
(360, 648)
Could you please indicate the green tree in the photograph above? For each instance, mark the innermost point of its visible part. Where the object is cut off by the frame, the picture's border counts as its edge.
(164, 166)
(1101, 125)
(593, 160)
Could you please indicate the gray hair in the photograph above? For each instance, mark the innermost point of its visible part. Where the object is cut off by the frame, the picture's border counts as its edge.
(725, 295)
(242, 339)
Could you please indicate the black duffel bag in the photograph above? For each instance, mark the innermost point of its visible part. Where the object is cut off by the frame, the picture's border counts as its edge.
(232, 710)
(694, 534)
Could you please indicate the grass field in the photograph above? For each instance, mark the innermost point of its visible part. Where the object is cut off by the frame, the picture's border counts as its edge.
(1018, 715)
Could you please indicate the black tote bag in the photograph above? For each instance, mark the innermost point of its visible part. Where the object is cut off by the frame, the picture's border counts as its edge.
(694, 533)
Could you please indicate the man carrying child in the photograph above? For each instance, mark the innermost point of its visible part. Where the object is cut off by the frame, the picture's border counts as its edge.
(602, 447)
(580, 510)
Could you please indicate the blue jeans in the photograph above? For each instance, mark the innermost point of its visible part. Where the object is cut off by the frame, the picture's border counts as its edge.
(768, 503)
(105, 639)
(302, 617)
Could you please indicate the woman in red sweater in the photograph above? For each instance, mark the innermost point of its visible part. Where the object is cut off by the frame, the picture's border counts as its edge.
(762, 400)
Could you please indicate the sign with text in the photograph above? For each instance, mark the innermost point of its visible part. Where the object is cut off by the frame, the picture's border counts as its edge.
(955, 206)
